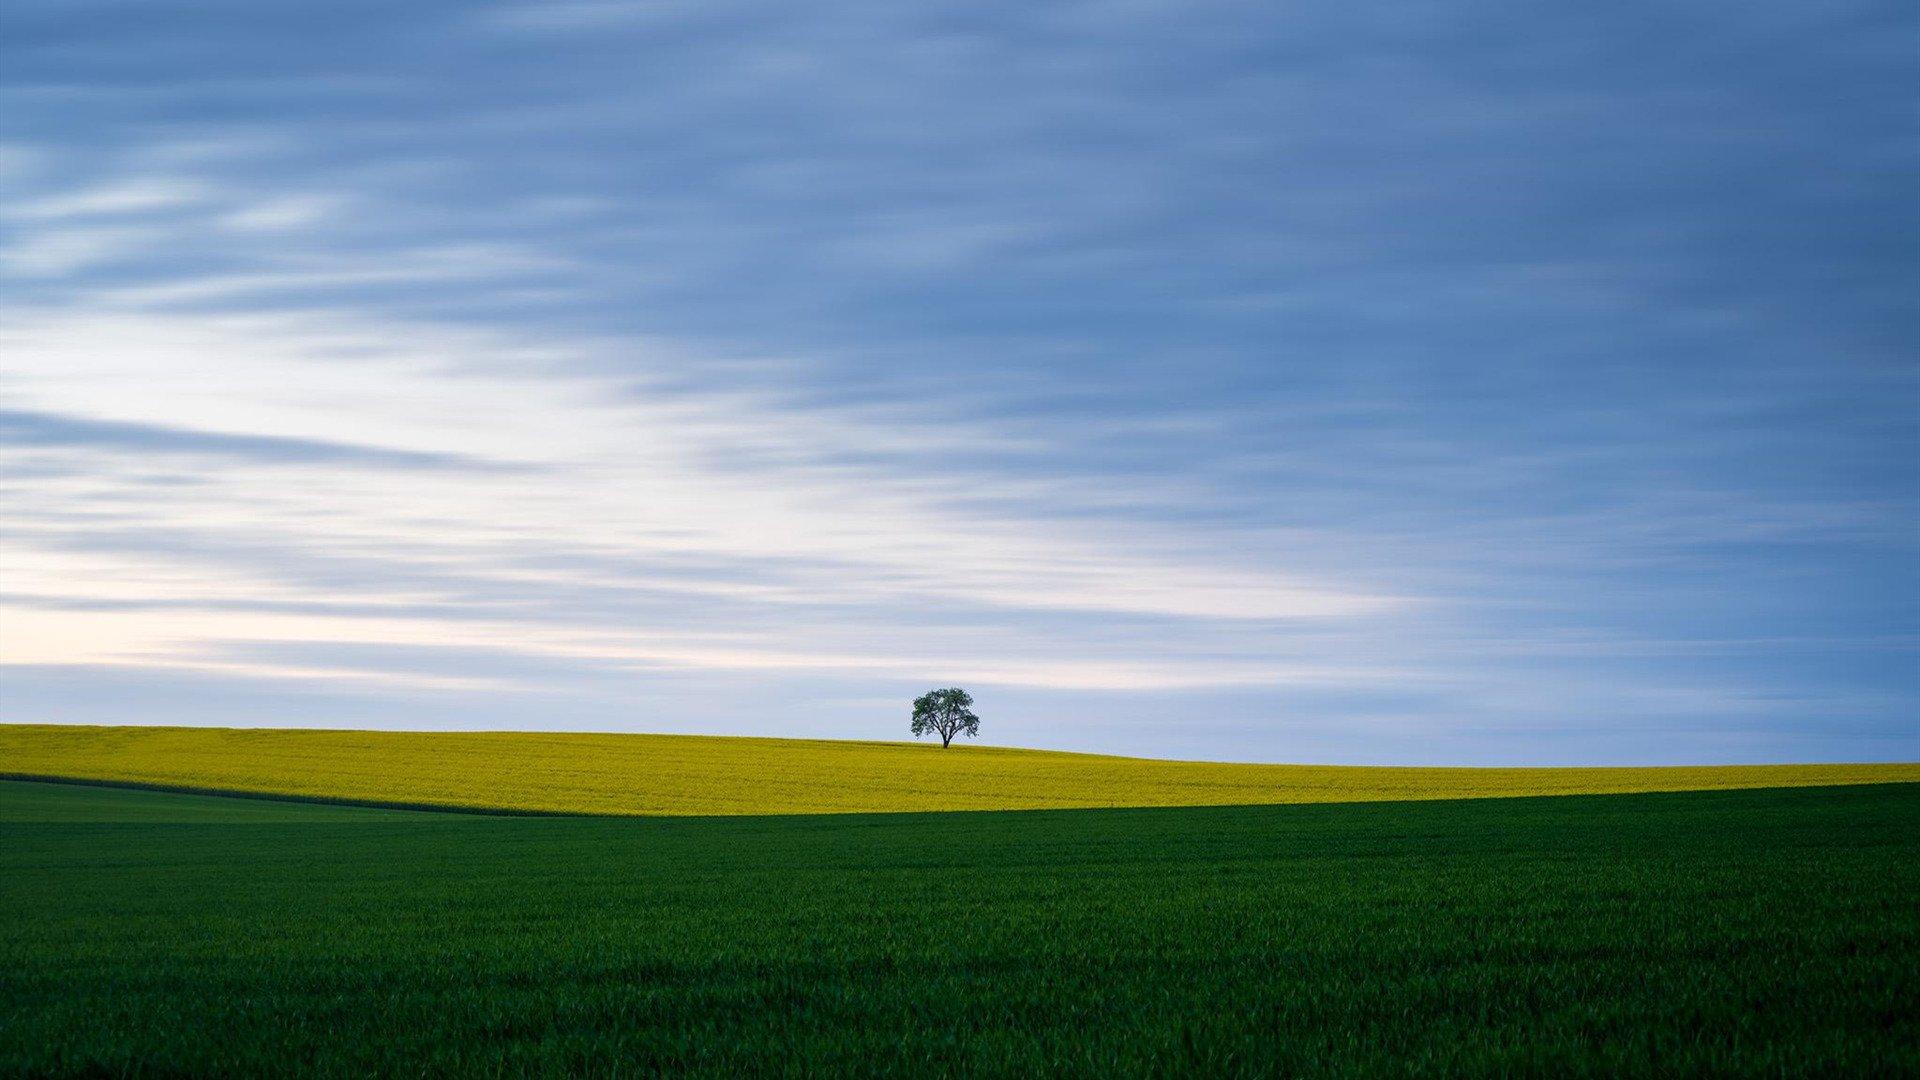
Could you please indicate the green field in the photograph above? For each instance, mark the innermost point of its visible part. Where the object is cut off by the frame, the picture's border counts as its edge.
(1750, 932)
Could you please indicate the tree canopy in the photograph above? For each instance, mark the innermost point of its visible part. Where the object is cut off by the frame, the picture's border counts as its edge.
(946, 713)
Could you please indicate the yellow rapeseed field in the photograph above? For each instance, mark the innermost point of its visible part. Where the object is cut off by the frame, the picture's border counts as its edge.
(690, 774)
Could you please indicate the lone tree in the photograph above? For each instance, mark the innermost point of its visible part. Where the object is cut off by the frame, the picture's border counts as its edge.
(945, 713)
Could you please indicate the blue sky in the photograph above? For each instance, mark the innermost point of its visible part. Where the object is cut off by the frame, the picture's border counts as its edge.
(1489, 383)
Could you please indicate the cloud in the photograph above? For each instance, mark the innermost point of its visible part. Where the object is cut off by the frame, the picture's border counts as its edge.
(284, 213)
(137, 197)
(632, 506)
(64, 253)
(32, 429)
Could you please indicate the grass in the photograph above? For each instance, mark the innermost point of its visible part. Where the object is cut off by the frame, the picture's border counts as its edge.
(705, 775)
(1762, 932)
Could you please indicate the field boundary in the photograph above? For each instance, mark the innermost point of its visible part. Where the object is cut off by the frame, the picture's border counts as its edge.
(320, 800)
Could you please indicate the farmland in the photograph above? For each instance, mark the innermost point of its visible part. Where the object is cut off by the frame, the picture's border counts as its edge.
(702, 775)
(1751, 932)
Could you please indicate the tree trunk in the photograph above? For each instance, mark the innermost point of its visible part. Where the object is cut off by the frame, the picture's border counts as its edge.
(945, 739)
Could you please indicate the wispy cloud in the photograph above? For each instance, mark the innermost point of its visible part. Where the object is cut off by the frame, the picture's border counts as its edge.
(32, 429)
(629, 480)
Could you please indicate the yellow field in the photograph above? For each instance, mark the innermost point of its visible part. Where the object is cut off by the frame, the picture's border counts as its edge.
(687, 774)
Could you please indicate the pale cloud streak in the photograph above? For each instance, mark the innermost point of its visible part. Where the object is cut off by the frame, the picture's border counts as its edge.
(456, 452)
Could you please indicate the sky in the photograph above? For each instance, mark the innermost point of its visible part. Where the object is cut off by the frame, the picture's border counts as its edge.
(1483, 383)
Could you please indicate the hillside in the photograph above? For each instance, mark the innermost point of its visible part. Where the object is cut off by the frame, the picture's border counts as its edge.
(702, 775)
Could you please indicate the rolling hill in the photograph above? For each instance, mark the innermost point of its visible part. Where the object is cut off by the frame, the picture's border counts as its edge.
(711, 775)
